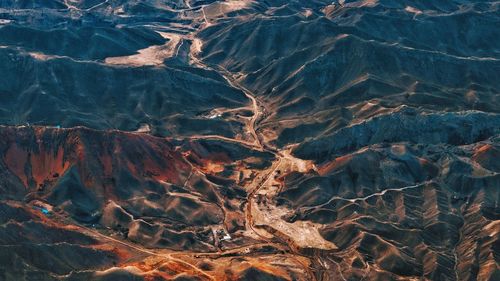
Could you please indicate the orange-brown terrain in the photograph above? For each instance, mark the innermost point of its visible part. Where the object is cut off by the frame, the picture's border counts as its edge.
(249, 140)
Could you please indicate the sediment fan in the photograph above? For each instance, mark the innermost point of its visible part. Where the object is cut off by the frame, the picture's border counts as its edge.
(249, 140)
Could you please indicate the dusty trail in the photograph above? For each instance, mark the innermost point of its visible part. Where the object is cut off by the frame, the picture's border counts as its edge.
(256, 109)
(96, 234)
(240, 199)
(73, 7)
(264, 177)
(261, 182)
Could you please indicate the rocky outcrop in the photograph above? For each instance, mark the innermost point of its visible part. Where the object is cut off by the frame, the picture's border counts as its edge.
(404, 125)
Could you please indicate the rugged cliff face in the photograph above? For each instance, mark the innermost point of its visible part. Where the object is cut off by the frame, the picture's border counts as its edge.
(249, 140)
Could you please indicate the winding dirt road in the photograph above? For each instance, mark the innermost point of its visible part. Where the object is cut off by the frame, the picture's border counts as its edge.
(264, 177)
(155, 56)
